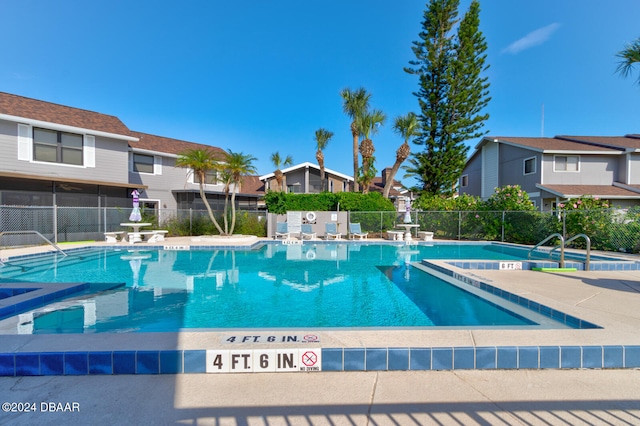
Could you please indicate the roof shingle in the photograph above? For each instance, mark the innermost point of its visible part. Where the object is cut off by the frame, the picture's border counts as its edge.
(553, 144)
(602, 191)
(34, 109)
(169, 145)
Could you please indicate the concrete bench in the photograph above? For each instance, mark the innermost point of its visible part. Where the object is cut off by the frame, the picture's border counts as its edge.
(159, 234)
(395, 235)
(425, 235)
(154, 236)
(112, 237)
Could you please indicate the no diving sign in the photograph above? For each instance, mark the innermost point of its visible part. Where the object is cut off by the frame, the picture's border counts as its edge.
(271, 338)
(264, 360)
(310, 358)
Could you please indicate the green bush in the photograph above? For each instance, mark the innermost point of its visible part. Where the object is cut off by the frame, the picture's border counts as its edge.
(511, 198)
(250, 224)
(281, 202)
(371, 202)
(198, 225)
(375, 221)
(590, 216)
(464, 202)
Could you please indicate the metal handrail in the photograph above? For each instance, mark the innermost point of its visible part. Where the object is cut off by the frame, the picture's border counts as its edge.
(547, 239)
(588, 240)
(3, 233)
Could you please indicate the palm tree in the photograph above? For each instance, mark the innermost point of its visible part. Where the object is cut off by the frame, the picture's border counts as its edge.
(629, 57)
(237, 165)
(199, 162)
(323, 137)
(370, 122)
(355, 105)
(407, 126)
(277, 163)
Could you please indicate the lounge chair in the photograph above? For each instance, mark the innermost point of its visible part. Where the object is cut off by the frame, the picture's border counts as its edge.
(306, 231)
(331, 231)
(356, 231)
(282, 230)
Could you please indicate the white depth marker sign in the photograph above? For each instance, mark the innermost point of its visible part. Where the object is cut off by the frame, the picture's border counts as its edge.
(264, 360)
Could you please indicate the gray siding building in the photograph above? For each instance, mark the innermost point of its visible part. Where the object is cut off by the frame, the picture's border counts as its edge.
(53, 154)
(553, 170)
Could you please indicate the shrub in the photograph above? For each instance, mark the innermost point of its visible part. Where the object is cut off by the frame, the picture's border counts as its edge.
(590, 216)
(250, 224)
(437, 203)
(198, 225)
(281, 202)
(510, 197)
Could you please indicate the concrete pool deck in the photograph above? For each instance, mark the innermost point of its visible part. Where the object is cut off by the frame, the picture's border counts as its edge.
(457, 396)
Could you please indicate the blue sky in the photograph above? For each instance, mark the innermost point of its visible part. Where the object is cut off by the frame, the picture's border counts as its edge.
(261, 76)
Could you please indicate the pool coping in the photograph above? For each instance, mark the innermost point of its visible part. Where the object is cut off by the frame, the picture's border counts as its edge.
(616, 345)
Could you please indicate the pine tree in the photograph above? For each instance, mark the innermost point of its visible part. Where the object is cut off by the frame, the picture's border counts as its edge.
(451, 93)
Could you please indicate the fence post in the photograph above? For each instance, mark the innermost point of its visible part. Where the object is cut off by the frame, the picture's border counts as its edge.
(503, 213)
(55, 223)
(190, 221)
(459, 225)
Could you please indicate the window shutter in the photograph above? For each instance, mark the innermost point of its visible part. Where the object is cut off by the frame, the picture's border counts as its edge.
(157, 165)
(130, 162)
(89, 151)
(25, 145)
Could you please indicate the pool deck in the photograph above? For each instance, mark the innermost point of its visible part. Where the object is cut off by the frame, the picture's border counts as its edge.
(572, 395)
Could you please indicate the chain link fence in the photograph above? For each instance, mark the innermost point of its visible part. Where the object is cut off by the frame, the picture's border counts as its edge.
(66, 224)
(608, 229)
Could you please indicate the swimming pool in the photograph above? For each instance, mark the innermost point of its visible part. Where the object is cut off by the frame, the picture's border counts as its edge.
(324, 285)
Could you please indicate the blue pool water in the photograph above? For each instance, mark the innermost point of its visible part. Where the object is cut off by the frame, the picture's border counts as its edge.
(273, 286)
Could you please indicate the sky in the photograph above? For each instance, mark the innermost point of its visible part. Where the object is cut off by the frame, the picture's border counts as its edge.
(258, 76)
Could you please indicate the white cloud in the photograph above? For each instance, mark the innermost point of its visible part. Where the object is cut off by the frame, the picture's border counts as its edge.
(534, 38)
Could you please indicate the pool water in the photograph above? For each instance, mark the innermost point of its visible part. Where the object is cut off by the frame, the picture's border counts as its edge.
(274, 286)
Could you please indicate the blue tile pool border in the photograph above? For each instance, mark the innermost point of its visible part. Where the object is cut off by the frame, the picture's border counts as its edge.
(152, 362)
(145, 362)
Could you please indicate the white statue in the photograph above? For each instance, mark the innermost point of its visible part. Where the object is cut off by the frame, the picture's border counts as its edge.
(407, 211)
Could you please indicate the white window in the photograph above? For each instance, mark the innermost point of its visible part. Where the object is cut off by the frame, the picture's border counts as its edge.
(210, 178)
(566, 163)
(464, 181)
(143, 163)
(529, 166)
(57, 147)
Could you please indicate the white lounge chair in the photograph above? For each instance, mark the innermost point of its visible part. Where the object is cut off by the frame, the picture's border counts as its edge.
(356, 231)
(331, 231)
(282, 230)
(306, 231)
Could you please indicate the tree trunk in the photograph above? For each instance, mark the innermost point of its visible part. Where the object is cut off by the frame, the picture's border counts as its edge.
(206, 203)
(401, 155)
(278, 176)
(226, 205)
(354, 133)
(233, 211)
(320, 158)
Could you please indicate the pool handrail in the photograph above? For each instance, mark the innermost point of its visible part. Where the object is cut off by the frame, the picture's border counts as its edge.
(588, 240)
(55, 246)
(559, 236)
